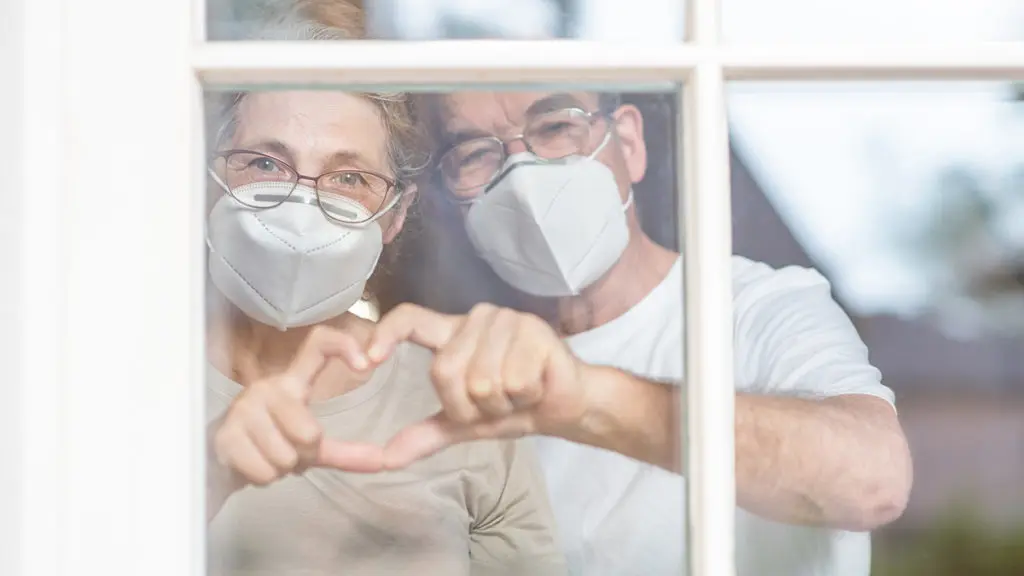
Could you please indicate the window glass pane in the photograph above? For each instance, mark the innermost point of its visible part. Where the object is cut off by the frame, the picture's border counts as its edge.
(872, 21)
(637, 21)
(910, 199)
(552, 201)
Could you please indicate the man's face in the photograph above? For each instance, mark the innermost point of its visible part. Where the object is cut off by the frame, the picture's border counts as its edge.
(505, 115)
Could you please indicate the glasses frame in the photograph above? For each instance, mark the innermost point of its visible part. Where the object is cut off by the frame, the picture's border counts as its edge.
(393, 185)
(591, 116)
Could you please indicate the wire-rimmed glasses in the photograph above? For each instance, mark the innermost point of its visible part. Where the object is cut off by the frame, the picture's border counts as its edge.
(241, 172)
(470, 166)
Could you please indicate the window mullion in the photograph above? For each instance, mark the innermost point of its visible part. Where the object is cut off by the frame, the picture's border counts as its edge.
(436, 63)
(131, 259)
(707, 440)
(976, 61)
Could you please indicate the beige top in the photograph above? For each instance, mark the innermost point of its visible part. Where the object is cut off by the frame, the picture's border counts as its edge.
(475, 509)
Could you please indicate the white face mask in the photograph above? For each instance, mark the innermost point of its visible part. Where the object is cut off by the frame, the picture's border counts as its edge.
(289, 265)
(551, 229)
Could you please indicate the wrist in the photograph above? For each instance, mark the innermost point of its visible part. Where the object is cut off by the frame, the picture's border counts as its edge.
(599, 418)
(630, 415)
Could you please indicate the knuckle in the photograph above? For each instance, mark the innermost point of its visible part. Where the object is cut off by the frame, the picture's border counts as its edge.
(310, 434)
(505, 315)
(223, 440)
(446, 368)
(262, 477)
(405, 309)
(317, 334)
(258, 391)
(289, 460)
(481, 388)
(532, 323)
(514, 385)
(245, 409)
(463, 414)
(481, 371)
(482, 309)
(283, 388)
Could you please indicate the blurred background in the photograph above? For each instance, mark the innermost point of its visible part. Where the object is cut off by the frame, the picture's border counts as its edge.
(909, 197)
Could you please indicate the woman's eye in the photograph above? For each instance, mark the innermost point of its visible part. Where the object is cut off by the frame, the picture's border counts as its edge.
(350, 179)
(264, 164)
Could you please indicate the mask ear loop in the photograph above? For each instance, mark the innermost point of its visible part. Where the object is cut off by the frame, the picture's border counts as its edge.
(399, 193)
(604, 142)
(629, 200)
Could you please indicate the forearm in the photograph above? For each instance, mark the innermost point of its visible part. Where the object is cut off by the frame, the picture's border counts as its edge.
(840, 462)
(632, 416)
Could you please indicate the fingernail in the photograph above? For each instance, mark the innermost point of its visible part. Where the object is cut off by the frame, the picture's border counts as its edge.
(376, 352)
(482, 387)
(359, 362)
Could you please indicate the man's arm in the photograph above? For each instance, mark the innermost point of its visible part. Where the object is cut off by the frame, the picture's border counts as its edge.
(838, 461)
(841, 462)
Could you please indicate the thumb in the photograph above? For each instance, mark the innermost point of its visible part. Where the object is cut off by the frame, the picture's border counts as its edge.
(436, 433)
(423, 439)
(359, 457)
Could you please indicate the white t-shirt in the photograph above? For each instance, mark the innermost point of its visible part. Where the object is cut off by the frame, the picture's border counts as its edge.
(621, 517)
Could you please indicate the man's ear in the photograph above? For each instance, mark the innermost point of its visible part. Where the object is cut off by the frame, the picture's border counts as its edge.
(399, 213)
(629, 128)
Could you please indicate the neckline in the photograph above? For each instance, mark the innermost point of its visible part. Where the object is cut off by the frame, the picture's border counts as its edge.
(611, 333)
(225, 386)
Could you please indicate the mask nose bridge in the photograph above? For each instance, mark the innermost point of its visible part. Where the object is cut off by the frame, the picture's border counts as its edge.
(505, 171)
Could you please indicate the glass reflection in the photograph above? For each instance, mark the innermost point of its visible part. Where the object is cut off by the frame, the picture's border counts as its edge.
(910, 198)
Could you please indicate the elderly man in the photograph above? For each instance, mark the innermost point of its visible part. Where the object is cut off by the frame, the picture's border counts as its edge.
(544, 181)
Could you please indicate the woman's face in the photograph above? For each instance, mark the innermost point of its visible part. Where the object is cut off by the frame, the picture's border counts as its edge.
(317, 132)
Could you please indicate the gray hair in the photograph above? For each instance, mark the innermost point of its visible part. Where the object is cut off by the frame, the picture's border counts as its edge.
(408, 151)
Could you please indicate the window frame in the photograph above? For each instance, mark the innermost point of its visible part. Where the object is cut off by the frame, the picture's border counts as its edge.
(103, 486)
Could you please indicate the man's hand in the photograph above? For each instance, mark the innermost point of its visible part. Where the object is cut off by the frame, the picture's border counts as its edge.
(269, 431)
(498, 373)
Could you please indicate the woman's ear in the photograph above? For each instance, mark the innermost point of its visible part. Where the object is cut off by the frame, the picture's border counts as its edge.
(629, 128)
(396, 219)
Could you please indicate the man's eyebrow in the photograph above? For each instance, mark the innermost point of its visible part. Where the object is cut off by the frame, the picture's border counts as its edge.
(459, 135)
(558, 101)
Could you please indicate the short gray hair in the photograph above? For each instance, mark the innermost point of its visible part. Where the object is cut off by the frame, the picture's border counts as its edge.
(408, 149)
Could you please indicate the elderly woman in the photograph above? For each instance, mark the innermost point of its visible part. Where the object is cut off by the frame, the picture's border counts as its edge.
(312, 187)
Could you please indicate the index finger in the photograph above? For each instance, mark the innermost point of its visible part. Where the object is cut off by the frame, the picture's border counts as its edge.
(321, 345)
(413, 323)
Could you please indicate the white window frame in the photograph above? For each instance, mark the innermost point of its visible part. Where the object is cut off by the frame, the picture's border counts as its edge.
(106, 348)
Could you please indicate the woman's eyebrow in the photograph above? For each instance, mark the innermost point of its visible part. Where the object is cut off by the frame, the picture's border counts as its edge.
(348, 158)
(274, 148)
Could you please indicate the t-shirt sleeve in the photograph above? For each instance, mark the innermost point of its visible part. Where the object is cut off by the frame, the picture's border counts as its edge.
(792, 337)
(513, 528)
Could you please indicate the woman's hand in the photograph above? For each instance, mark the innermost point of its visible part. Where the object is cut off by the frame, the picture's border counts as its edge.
(269, 432)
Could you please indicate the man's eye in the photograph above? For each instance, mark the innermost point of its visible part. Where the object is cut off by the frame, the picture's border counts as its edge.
(552, 128)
